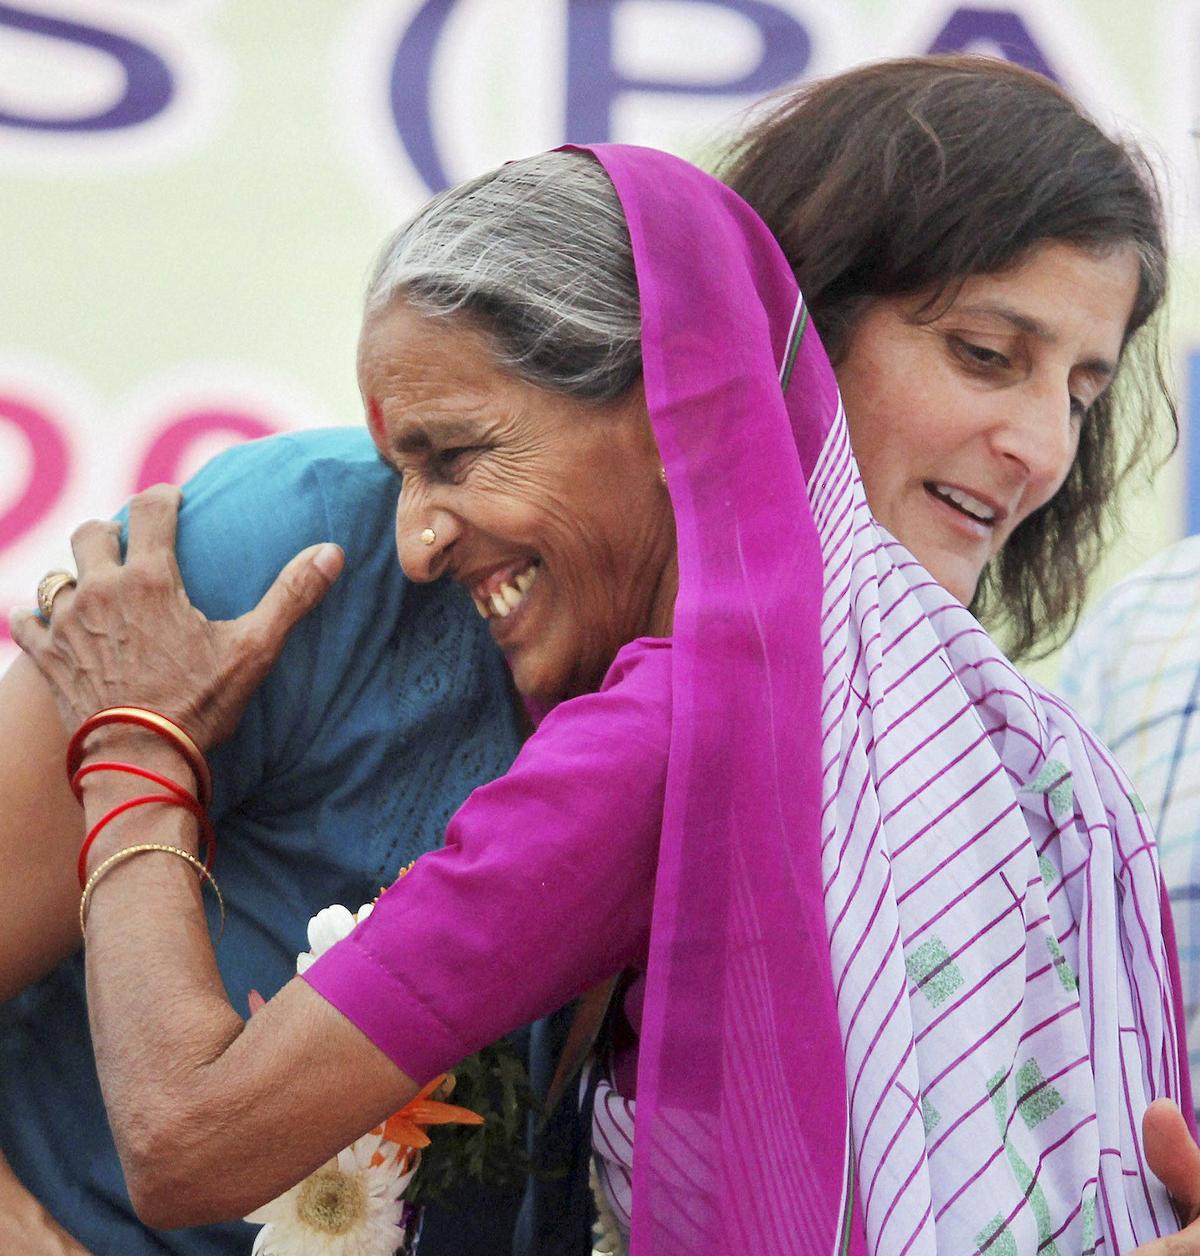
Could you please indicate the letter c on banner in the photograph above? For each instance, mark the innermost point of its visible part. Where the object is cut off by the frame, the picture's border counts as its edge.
(49, 466)
(594, 83)
(409, 91)
(149, 86)
(165, 458)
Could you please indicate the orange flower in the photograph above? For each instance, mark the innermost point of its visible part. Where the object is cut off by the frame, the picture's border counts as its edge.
(406, 1128)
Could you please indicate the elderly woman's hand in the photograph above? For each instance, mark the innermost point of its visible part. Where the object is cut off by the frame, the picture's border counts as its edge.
(127, 635)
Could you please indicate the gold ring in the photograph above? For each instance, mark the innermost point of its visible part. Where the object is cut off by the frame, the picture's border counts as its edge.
(428, 536)
(49, 587)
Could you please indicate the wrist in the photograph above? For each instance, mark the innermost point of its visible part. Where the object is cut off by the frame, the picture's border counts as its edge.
(151, 822)
(125, 743)
(135, 788)
(145, 720)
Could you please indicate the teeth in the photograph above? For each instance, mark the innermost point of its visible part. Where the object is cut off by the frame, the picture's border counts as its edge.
(972, 505)
(508, 596)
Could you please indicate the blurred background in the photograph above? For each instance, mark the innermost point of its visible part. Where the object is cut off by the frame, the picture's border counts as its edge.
(191, 192)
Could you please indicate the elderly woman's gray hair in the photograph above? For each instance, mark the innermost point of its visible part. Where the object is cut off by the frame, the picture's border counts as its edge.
(537, 254)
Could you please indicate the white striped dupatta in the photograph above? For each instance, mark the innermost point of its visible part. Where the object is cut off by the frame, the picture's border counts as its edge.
(993, 902)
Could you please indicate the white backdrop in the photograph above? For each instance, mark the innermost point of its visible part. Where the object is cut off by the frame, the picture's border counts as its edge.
(193, 188)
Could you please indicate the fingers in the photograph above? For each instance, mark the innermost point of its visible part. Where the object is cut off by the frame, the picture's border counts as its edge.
(153, 523)
(1185, 1243)
(1173, 1156)
(96, 544)
(297, 589)
(27, 630)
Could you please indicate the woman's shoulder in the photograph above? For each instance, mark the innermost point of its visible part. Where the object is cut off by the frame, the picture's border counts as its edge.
(325, 476)
(643, 664)
(254, 506)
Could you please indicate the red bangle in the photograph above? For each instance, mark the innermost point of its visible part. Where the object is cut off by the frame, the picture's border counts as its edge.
(153, 722)
(172, 800)
(133, 769)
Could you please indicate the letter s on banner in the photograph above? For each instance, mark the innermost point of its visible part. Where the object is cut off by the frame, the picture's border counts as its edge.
(103, 83)
(149, 84)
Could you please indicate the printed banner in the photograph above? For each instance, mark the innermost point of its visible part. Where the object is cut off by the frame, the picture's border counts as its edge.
(194, 190)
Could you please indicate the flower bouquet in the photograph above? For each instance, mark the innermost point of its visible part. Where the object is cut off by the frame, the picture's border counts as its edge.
(354, 1204)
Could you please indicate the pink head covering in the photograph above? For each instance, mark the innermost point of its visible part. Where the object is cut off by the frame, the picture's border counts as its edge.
(741, 1076)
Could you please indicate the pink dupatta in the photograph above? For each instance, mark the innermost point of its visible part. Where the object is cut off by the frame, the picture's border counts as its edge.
(742, 1130)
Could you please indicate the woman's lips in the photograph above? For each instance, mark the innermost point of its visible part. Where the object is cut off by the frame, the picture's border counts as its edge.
(968, 515)
(973, 507)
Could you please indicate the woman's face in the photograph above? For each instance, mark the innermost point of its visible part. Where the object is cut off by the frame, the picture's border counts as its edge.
(548, 510)
(964, 426)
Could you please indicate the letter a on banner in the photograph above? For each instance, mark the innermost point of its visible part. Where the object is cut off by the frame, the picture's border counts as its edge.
(978, 30)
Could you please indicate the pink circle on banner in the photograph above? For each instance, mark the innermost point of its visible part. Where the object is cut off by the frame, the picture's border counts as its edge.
(48, 474)
(165, 457)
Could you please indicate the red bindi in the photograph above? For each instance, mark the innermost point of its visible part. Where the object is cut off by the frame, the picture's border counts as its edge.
(375, 418)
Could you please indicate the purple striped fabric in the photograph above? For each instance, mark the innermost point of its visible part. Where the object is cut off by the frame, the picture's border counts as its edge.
(612, 1146)
(993, 903)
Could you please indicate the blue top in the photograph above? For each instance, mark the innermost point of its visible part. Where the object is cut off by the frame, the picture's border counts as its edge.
(388, 706)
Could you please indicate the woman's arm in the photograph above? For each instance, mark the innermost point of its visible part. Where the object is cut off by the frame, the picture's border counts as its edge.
(179, 1068)
(156, 1004)
(25, 1226)
(41, 826)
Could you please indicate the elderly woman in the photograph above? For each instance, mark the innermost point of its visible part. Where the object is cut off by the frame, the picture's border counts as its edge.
(879, 896)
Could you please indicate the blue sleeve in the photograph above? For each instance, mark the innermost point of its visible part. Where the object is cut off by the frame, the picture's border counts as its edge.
(244, 516)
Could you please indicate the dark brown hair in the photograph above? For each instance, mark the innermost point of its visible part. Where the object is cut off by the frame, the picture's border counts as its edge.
(904, 177)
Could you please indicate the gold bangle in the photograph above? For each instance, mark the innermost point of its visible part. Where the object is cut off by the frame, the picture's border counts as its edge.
(127, 852)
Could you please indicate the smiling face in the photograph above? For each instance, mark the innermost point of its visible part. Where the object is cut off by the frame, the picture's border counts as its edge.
(548, 509)
(962, 427)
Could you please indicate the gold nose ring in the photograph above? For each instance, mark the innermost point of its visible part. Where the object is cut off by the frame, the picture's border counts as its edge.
(428, 536)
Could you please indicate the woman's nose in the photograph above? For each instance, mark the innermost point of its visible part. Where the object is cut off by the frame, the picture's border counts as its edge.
(1040, 433)
(424, 537)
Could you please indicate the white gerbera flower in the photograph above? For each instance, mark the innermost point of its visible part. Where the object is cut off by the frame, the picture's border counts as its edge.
(348, 1207)
(329, 925)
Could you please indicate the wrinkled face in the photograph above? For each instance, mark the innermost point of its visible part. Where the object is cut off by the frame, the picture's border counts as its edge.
(548, 510)
(964, 426)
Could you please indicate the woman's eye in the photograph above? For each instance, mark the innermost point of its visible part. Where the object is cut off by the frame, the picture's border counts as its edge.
(454, 458)
(979, 355)
(1079, 408)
